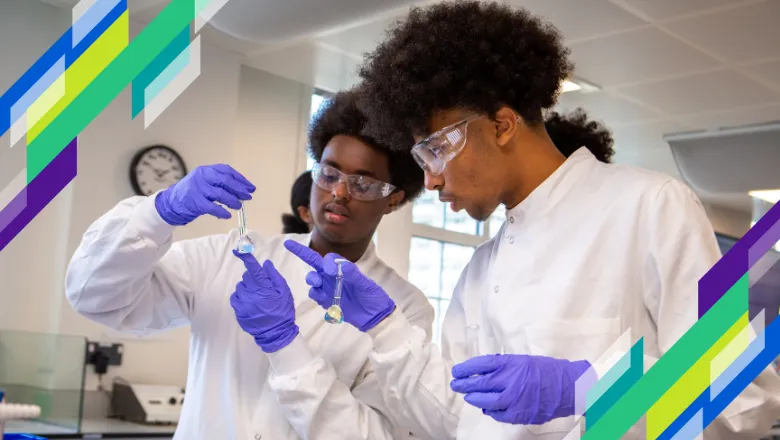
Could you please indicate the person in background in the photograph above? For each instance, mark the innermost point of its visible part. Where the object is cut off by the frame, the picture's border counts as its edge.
(588, 251)
(571, 131)
(308, 379)
(300, 221)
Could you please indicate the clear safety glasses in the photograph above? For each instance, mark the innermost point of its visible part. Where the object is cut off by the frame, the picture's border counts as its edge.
(433, 153)
(359, 187)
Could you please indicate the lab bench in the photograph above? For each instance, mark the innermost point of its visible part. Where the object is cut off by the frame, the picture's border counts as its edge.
(94, 429)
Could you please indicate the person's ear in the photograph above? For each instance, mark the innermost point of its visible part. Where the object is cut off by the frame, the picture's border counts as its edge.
(396, 199)
(507, 124)
(305, 214)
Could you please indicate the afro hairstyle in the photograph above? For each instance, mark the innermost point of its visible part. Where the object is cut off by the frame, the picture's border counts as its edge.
(473, 55)
(341, 116)
(574, 130)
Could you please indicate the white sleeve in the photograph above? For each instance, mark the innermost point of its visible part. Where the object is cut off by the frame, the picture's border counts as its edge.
(319, 406)
(126, 273)
(414, 374)
(683, 248)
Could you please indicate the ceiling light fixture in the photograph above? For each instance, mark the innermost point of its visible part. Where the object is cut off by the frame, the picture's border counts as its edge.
(578, 85)
(767, 195)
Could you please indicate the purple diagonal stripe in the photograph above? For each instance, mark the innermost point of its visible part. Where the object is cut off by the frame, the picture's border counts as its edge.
(715, 283)
(43, 188)
(13, 209)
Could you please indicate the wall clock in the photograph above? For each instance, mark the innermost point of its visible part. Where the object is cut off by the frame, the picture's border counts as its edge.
(155, 168)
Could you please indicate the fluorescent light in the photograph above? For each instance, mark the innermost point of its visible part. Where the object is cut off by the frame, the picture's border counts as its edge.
(768, 195)
(577, 85)
(569, 86)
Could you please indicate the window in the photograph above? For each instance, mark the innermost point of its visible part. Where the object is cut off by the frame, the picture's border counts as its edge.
(434, 267)
(318, 99)
(442, 244)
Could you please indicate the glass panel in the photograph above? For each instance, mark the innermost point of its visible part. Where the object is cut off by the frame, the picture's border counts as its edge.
(317, 102)
(460, 222)
(425, 265)
(455, 259)
(45, 370)
(428, 210)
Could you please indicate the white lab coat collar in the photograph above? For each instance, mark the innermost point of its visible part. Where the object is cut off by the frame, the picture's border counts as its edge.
(554, 188)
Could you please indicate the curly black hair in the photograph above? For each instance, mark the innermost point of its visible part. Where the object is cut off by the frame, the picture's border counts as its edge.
(574, 130)
(341, 116)
(469, 54)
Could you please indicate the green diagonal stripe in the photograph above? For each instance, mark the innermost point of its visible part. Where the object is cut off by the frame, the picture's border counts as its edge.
(108, 84)
(620, 386)
(671, 367)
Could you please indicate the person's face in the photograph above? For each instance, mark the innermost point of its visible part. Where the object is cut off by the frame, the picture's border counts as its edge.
(337, 214)
(474, 178)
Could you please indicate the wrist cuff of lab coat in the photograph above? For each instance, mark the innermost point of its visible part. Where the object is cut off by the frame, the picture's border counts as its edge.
(391, 333)
(291, 358)
(148, 223)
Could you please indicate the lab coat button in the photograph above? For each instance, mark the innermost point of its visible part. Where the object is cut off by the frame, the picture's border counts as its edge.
(511, 219)
(495, 289)
(258, 437)
(511, 240)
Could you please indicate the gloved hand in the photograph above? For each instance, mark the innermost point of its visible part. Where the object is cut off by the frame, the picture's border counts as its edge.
(264, 305)
(521, 389)
(363, 302)
(197, 192)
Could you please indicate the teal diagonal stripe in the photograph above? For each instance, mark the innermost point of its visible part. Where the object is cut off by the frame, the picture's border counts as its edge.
(619, 385)
(156, 67)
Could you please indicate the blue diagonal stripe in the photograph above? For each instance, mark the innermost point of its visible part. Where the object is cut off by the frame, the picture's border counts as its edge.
(62, 47)
(89, 21)
(156, 67)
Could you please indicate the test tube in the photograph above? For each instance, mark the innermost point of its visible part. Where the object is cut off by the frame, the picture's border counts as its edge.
(334, 315)
(472, 340)
(245, 244)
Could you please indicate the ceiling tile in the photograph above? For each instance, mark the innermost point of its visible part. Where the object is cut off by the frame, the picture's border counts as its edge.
(733, 118)
(735, 34)
(360, 39)
(605, 107)
(636, 56)
(721, 90)
(769, 72)
(592, 17)
(663, 9)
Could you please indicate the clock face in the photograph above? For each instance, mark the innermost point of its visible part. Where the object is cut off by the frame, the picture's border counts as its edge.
(156, 168)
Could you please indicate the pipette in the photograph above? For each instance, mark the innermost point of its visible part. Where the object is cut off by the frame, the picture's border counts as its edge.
(334, 315)
(245, 244)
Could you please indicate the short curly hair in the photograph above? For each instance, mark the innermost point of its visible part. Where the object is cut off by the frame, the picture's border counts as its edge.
(341, 116)
(571, 131)
(465, 54)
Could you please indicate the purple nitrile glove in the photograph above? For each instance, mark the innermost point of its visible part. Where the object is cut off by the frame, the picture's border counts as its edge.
(198, 193)
(520, 389)
(363, 302)
(264, 305)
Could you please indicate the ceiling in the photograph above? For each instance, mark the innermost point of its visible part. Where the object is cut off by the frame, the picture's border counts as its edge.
(663, 66)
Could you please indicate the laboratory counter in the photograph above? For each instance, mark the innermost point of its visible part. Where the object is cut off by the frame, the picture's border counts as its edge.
(94, 429)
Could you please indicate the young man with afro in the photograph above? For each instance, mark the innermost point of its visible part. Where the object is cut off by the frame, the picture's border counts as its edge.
(308, 379)
(589, 251)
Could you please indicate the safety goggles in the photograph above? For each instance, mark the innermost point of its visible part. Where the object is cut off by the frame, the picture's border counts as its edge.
(359, 187)
(433, 153)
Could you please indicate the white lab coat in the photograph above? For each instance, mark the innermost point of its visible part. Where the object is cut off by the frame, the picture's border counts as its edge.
(128, 275)
(595, 250)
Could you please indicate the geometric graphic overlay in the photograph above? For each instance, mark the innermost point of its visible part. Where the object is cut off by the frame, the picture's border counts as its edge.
(715, 360)
(172, 82)
(77, 77)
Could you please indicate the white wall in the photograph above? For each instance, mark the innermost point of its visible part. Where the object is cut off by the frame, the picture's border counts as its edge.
(260, 133)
